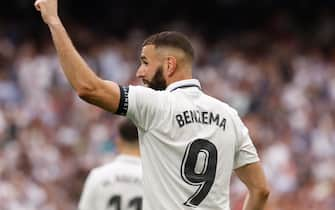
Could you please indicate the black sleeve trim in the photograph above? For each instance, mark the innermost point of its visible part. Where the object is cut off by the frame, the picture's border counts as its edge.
(123, 105)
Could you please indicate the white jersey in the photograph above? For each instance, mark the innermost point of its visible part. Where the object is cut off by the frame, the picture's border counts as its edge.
(114, 186)
(190, 143)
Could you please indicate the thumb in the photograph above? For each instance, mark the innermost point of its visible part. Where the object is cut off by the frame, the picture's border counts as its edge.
(37, 5)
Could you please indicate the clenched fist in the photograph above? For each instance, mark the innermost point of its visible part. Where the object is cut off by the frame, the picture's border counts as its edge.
(48, 9)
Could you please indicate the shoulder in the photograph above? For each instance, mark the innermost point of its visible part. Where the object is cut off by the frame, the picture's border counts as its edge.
(223, 105)
(103, 171)
(145, 90)
(144, 95)
(106, 168)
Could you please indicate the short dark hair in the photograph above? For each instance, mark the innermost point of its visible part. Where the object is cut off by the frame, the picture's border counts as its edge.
(171, 39)
(128, 131)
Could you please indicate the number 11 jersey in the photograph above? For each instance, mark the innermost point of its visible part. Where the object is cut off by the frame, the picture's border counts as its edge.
(114, 186)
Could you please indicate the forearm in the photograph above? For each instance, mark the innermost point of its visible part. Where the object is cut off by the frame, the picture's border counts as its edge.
(75, 68)
(89, 87)
(255, 201)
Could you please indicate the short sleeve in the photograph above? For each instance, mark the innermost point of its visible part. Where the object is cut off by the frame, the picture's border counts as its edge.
(88, 196)
(245, 152)
(145, 106)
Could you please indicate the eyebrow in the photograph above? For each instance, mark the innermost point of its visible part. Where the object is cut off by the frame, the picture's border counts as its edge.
(143, 58)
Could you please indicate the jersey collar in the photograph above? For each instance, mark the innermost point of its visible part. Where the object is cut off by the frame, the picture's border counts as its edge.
(128, 158)
(184, 84)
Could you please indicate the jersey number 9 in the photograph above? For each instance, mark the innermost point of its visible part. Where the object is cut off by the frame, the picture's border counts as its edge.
(199, 168)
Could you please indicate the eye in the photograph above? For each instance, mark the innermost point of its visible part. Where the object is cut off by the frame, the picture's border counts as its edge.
(143, 62)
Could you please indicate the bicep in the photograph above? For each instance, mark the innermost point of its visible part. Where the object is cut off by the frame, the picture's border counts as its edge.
(252, 176)
(106, 95)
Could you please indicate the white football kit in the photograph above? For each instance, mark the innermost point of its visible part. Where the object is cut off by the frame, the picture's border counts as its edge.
(114, 186)
(190, 143)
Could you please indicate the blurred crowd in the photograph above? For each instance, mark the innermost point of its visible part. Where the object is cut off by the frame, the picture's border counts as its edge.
(279, 78)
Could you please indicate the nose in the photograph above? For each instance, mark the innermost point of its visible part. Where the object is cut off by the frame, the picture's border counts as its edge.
(140, 72)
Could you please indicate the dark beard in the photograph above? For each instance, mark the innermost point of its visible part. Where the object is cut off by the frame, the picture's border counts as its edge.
(158, 82)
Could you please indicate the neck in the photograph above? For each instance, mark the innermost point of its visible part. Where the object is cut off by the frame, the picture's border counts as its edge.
(130, 150)
(180, 75)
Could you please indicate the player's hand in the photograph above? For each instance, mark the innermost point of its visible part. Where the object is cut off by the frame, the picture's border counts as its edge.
(49, 10)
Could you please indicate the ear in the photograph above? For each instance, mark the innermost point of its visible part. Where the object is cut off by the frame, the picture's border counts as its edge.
(171, 65)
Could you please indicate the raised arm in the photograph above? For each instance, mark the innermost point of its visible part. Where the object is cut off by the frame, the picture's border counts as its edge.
(87, 84)
(253, 177)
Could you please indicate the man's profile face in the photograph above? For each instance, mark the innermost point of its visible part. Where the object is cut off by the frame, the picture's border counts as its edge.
(151, 69)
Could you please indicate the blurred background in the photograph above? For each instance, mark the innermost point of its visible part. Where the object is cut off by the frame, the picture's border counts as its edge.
(272, 60)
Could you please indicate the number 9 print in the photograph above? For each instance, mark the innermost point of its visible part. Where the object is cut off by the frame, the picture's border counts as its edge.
(203, 152)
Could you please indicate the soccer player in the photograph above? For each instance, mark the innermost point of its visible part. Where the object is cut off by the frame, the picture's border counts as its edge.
(190, 142)
(117, 185)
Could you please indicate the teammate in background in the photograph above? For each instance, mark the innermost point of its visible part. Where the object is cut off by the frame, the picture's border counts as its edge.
(190, 142)
(117, 185)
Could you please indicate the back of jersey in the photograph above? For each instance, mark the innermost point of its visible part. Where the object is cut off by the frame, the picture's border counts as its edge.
(189, 150)
(115, 186)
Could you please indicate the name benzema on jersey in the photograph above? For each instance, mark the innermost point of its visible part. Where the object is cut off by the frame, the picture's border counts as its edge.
(196, 116)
